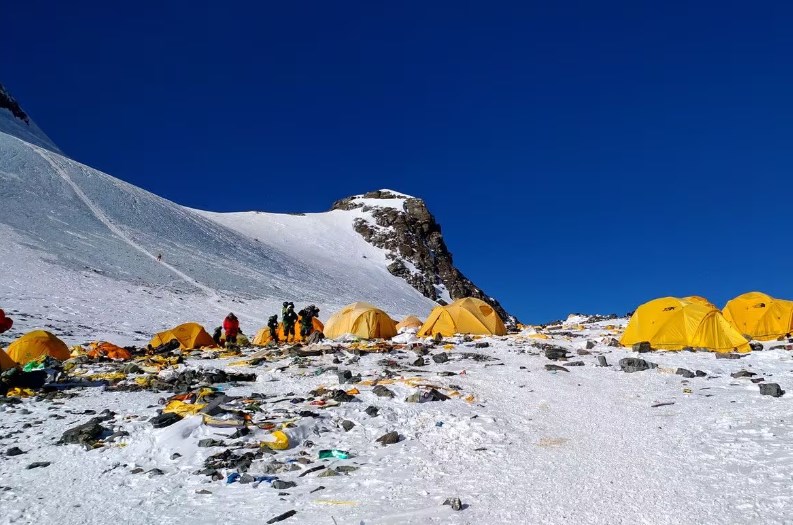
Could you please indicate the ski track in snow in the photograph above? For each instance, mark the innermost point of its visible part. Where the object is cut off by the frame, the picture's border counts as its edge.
(104, 219)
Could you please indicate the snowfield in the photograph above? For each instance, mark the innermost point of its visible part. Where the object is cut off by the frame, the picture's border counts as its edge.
(592, 445)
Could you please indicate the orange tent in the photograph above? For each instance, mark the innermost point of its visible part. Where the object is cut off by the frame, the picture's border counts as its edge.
(6, 362)
(36, 344)
(109, 350)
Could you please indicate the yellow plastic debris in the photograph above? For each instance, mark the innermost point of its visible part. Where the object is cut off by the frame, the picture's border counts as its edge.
(19, 392)
(281, 441)
(143, 381)
(353, 391)
(108, 376)
(182, 408)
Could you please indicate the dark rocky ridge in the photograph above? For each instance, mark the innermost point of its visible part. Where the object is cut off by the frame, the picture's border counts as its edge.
(412, 237)
(8, 102)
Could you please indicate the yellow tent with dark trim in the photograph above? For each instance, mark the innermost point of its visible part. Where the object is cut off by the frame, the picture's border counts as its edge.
(6, 362)
(672, 323)
(463, 316)
(263, 338)
(37, 344)
(362, 320)
(189, 335)
(410, 321)
(760, 316)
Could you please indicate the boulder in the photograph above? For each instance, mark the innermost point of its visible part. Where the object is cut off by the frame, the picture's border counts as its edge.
(632, 364)
(771, 389)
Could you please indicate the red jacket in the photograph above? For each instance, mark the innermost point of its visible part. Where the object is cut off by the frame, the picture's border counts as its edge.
(231, 326)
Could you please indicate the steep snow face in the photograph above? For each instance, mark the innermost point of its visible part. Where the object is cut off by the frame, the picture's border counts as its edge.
(79, 221)
(16, 122)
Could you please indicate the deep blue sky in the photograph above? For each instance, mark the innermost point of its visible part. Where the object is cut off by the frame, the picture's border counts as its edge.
(580, 156)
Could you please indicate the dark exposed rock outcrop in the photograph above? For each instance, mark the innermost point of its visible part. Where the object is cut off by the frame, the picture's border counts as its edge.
(8, 102)
(415, 247)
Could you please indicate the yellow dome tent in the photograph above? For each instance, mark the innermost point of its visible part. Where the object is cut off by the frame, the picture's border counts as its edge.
(6, 362)
(410, 321)
(698, 299)
(263, 338)
(463, 316)
(760, 316)
(36, 344)
(189, 335)
(671, 323)
(362, 320)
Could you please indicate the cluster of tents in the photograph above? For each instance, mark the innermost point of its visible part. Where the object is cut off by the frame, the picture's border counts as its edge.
(667, 323)
(672, 323)
(361, 320)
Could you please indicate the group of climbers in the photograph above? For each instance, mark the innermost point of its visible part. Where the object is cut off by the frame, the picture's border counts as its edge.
(229, 332)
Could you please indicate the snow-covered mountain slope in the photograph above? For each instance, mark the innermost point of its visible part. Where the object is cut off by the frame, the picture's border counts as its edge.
(84, 224)
(16, 122)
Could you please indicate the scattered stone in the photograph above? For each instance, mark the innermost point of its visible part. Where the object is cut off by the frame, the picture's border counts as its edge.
(771, 389)
(590, 345)
(642, 347)
(440, 358)
(345, 376)
(283, 485)
(136, 471)
(131, 368)
(86, 434)
(175, 455)
(700, 373)
(341, 396)
(388, 439)
(614, 343)
(662, 404)
(372, 411)
(345, 469)
(328, 473)
(317, 489)
(757, 379)
(347, 425)
(155, 472)
(482, 344)
(281, 517)
(602, 361)
(455, 503)
(725, 355)
(246, 478)
(632, 364)
(743, 373)
(203, 491)
(556, 353)
(575, 363)
(165, 419)
(583, 352)
(209, 442)
(756, 347)
(419, 362)
(381, 391)
(685, 373)
(39, 464)
(552, 368)
(14, 451)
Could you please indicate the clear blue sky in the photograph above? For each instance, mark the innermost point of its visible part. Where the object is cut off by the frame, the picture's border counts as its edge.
(580, 156)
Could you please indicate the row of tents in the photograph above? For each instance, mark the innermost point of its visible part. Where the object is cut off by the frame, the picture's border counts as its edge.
(361, 320)
(672, 323)
(667, 323)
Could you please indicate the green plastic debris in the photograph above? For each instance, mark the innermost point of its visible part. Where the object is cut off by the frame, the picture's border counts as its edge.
(334, 453)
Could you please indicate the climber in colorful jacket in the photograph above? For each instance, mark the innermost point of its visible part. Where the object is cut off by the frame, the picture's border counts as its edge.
(5, 322)
(231, 325)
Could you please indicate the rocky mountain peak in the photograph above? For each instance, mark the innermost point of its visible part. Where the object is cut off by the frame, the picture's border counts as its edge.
(404, 227)
(16, 122)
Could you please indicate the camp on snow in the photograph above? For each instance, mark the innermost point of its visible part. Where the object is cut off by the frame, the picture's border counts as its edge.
(760, 316)
(189, 335)
(361, 320)
(463, 316)
(672, 323)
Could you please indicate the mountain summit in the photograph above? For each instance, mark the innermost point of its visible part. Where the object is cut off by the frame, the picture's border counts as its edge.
(16, 122)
